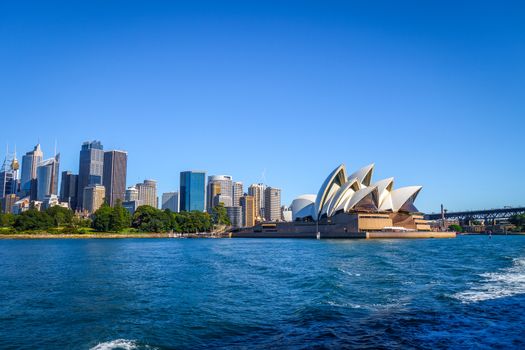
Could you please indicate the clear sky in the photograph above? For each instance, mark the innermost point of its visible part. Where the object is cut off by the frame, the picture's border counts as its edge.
(433, 92)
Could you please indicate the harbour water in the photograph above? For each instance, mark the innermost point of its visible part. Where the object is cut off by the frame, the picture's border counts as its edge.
(459, 293)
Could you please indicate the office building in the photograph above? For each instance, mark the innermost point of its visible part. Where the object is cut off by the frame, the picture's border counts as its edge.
(192, 191)
(170, 200)
(272, 204)
(238, 192)
(7, 203)
(90, 168)
(47, 178)
(148, 193)
(235, 215)
(114, 176)
(93, 198)
(248, 211)
(132, 194)
(131, 206)
(69, 189)
(53, 200)
(219, 186)
(9, 183)
(286, 214)
(30, 163)
(257, 192)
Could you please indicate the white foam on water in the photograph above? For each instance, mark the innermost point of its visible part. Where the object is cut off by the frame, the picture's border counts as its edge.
(344, 305)
(503, 283)
(117, 344)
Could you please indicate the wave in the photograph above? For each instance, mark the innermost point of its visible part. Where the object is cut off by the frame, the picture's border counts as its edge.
(503, 283)
(121, 344)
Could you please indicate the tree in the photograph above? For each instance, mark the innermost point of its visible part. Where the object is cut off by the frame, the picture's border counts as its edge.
(107, 219)
(33, 219)
(455, 228)
(60, 215)
(7, 220)
(220, 215)
(518, 220)
(120, 218)
(102, 218)
(149, 219)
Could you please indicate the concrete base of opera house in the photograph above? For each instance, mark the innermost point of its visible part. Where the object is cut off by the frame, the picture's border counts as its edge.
(346, 235)
(328, 230)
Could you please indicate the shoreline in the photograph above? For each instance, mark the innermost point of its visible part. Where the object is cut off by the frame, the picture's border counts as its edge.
(107, 235)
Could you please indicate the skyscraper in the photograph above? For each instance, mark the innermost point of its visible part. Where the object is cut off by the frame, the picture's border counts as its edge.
(69, 189)
(93, 197)
(9, 176)
(257, 191)
(114, 178)
(272, 204)
(30, 162)
(90, 169)
(148, 193)
(132, 194)
(235, 216)
(248, 211)
(47, 178)
(170, 200)
(238, 192)
(192, 190)
(219, 185)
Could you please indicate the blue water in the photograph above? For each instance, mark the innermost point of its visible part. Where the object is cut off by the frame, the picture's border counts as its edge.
(460, 293)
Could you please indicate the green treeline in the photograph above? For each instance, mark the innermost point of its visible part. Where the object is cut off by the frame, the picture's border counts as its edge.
(519, 221)
(116, 219)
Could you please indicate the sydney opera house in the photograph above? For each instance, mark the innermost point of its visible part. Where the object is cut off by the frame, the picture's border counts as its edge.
(352, 206)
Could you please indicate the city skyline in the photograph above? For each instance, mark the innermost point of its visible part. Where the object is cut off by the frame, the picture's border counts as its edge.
(432, 93)
(167, 188)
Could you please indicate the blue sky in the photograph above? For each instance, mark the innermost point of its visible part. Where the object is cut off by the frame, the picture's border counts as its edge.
(280, 91)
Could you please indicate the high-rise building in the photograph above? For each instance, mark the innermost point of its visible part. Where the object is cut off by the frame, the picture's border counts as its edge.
(257, 191)
(132, 194)
(219, 185)
(286, 214)
(170, 200)
(235, 215)
(114, 176)
(93, 197)
(8, 182)
(248, 211)
(131, 202)
(192, 191)
(69, 189)
(30, 162)
(148, 193)
(272, 204)
(8, 202)
(238, 192)
(90, 168)
(47, 178)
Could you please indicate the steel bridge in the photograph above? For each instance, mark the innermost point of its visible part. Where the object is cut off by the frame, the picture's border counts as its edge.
(488, 215)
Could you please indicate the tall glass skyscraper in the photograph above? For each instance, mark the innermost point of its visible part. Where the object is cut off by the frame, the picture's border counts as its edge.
(90, 168)
(69, 189)
(193, 191)
(114, 179)
(47, 178)
(30, 162)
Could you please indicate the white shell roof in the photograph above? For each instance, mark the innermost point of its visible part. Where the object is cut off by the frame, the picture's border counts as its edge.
(332, 183)
(342, 192)
(364, 175)
(403, 196)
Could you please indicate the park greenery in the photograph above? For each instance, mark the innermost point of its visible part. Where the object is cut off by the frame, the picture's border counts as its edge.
(519, 222)
(114, 219)
(455, 228)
